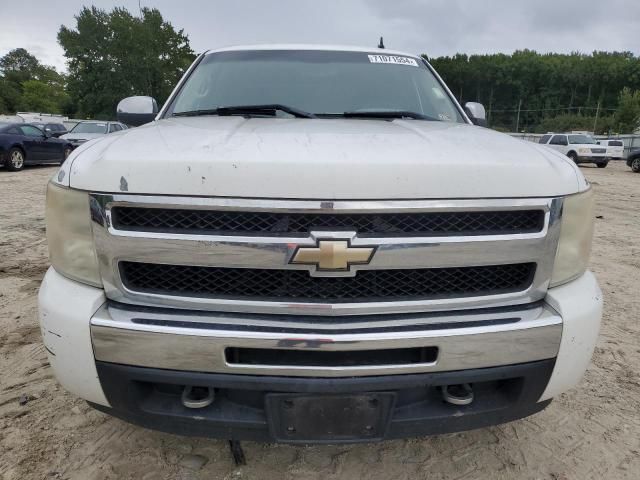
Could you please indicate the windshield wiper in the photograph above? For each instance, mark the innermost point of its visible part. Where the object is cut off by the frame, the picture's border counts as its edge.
(388, 114)
(266, 109)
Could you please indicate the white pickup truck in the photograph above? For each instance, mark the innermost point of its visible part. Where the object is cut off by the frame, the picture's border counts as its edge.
(316, 244)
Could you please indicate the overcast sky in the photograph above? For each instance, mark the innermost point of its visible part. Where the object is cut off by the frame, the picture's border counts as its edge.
(434, 27)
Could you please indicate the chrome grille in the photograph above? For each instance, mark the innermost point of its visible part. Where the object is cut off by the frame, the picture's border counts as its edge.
(301, 224)
(297, 285)
(479, 253)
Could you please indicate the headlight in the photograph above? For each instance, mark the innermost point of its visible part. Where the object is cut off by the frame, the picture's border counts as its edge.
(71, 249)
(584, 150)
(576, 233)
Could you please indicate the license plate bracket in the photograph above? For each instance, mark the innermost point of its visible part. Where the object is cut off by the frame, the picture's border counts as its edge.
(344, 418)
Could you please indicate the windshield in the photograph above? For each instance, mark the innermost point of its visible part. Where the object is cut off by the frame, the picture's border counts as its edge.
(574, 139)
(90, 127)
(318, 82)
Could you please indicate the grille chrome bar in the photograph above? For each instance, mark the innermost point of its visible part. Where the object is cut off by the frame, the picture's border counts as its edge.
(298, 285)
(208, 222)
(274, 252)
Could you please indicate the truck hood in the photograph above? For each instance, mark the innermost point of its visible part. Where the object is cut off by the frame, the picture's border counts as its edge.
(318, 159)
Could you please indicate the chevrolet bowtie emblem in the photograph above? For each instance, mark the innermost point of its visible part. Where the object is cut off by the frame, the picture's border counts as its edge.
(333, 255)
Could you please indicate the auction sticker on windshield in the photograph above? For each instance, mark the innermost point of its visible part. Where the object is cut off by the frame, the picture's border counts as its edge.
(393, 59)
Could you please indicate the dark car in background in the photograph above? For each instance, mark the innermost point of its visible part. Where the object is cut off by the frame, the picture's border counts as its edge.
(25, 144)
(53, 129)
(633, 160)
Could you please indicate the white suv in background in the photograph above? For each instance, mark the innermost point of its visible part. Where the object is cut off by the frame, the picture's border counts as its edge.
(578, 147)
(615, 148)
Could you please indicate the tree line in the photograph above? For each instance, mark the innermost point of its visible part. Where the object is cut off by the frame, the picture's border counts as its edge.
(114, 54)
(552, 92)
(27, 85)
(110, 55)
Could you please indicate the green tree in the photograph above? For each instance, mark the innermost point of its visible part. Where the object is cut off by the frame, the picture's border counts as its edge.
(571, 86)
(112, 55)
(23, 78)
(19, 65)
(10, 94)
(38, 96)
(627, 116)
(568, 122)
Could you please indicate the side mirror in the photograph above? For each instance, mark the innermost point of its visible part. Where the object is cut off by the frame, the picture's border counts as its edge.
(476, 113)
(137, 111)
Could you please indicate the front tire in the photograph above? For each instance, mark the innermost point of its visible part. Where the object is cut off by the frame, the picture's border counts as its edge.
(635, 165)
(573, 157)
(15, 159)
(602, 165)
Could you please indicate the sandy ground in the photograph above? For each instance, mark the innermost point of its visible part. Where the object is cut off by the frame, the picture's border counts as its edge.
(590, 432)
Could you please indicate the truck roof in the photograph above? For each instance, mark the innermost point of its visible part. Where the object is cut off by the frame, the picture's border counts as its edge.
(302, 46)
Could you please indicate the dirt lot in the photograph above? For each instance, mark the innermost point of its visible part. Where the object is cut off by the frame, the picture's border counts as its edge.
(591, 432)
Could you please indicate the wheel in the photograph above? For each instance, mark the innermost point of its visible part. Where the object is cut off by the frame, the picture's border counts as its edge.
(15, 159)
(635, 165)
(67, 151)
(573, 156)
(602, 165)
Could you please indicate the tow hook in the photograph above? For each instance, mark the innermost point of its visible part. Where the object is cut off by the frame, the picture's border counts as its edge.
(197, 397)
(461, 394)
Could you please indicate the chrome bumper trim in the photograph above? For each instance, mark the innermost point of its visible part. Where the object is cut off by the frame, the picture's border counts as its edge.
(119, 339)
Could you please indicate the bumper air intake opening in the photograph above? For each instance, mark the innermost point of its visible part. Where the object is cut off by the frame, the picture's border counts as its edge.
(316, 358)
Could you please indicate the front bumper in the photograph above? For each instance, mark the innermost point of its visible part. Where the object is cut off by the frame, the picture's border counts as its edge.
(129, 361)
(312, 347)
(243, 409)
(592, 158)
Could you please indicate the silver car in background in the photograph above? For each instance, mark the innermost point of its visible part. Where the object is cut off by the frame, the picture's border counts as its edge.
(88, 130)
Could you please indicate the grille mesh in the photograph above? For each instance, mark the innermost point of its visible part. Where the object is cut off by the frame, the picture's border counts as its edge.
(298, 285)
(375, 224)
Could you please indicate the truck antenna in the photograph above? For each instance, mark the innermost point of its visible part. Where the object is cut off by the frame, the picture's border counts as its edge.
(381, 44)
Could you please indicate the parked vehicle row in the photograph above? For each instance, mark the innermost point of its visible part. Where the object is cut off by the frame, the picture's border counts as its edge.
(24, 144)
(578, 147)
(583, 148)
